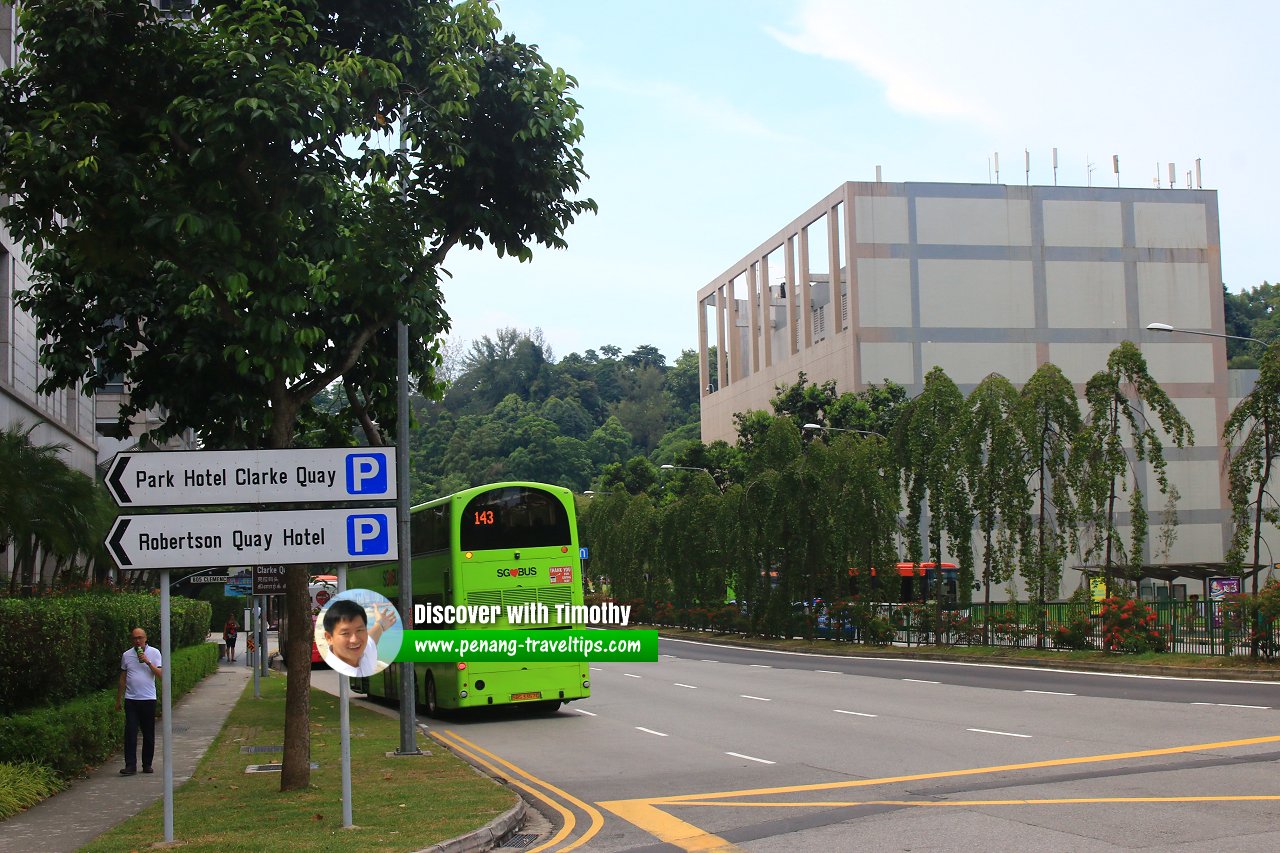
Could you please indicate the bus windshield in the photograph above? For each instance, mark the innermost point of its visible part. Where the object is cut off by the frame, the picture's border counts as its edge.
(513, 517)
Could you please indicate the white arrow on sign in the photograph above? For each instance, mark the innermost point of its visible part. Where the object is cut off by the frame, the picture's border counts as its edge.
(174, 541)
(195, 477)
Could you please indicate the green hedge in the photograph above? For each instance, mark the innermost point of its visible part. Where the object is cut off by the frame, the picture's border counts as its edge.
(85, 731)
(55, 648)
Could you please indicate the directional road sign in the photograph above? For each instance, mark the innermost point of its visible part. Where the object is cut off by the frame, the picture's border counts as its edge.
(268, 580)
(173, 541)
(195, 477)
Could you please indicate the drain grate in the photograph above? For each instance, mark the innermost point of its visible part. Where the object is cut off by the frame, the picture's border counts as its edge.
(520, 839)
(272, 768)
(253, 749)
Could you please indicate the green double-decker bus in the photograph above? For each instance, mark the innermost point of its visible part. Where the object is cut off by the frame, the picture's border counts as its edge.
(500, 545)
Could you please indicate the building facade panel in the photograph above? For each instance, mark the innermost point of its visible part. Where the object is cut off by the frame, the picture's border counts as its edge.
(1170, 226)
(1096, 224)
(976, 293)
(1174, 293)
(973, 221)
(884, 291)
(887, 362)
(881, 219)
(1085, 294)
(970, 363)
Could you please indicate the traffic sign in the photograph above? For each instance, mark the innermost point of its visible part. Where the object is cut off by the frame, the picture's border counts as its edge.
(171, 541)
(195, 477)
(268, 580)
(209, 577)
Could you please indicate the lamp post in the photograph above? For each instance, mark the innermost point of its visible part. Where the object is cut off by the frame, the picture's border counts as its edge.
(691, 468)
(1165, 327)
(813, 427)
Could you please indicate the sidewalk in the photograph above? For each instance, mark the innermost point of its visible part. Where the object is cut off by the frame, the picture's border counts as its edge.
(69, 820)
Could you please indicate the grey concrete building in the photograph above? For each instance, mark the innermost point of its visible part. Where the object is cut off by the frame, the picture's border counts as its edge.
(894, 278)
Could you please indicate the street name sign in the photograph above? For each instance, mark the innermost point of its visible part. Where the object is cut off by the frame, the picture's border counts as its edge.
(213, 477)
(172, 541)
(268, 580)
(209, 577)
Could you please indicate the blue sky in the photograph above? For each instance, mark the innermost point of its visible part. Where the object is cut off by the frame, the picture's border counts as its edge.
(710, 124)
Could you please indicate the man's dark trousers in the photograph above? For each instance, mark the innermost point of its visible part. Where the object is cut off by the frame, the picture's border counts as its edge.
(139, 714)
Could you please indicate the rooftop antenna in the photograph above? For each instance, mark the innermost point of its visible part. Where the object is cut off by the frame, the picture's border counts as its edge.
(997, 167)
(1055, 167)
(1198, 184)
(877, 174)
(1158, 184)
(1172, 175)
(1188, 179)
(1026, 155)
(1089, 167)
(1115, 167)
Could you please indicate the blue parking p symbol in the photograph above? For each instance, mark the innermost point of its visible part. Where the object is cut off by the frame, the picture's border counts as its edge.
(368, 535)
(366, 474)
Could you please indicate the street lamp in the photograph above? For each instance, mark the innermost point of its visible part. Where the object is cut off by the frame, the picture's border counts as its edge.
(1165, 327)
(840, 429)
(690, 468)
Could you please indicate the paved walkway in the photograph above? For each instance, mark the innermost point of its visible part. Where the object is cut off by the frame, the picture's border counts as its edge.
(71, 819)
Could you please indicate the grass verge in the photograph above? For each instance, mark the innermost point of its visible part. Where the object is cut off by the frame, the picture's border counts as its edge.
(1236, 664)
(24, 784)
(397, 803)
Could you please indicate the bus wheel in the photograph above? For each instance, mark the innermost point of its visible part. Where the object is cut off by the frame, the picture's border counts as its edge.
(433, 707)
(549, 707)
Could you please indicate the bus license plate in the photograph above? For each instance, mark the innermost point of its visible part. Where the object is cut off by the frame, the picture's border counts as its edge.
(520, 697)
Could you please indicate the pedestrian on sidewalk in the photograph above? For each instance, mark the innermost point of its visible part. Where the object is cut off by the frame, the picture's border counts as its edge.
(229, 632)
(139, 668)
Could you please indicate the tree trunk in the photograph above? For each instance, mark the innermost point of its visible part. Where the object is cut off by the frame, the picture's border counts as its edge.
(295, 771)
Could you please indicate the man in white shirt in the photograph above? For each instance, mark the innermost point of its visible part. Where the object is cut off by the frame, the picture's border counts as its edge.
(139, 668)
(353, 646)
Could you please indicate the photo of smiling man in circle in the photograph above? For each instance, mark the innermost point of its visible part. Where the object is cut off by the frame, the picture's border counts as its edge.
(358, 633)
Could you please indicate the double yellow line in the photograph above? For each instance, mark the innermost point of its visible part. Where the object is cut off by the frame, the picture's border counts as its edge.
(536, 788)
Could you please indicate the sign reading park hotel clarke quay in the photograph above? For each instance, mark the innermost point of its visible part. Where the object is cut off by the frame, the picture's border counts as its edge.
(213, 477)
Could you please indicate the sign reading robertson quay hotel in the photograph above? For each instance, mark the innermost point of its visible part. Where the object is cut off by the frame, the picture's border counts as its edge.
(195, 477)
(246, 538)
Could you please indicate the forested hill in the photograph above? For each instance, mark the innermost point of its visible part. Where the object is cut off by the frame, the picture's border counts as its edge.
(512, 411)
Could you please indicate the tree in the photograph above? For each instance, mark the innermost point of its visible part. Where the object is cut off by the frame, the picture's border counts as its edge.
(1251, 435)
(929, 443)
(998, 465)
(209, 209)
(1114, 417)
(1048, 419)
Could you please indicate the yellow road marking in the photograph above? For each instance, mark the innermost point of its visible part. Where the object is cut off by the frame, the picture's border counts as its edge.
(565, 814)
(973, 771)
(597, 819)
(645, 814)
(667, 828)
(1055, 801)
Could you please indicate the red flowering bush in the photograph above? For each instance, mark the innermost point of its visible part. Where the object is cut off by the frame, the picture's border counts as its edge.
(1131, 626)
(1076, 633)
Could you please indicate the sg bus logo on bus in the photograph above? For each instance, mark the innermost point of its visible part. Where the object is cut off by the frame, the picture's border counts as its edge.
(520, 572)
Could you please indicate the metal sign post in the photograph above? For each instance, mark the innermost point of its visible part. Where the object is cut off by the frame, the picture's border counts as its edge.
(166, 704)
(344, 721)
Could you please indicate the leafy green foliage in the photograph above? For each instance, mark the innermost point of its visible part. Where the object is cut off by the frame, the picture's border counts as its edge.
(48, 510)
(1120, 434)
(81, 638)
(24, 784)
(76, 734)
(1252, 435)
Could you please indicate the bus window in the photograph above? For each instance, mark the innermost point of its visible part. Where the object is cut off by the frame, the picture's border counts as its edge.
(513, 517)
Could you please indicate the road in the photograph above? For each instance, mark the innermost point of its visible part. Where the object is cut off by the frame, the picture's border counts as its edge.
(716, 748)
